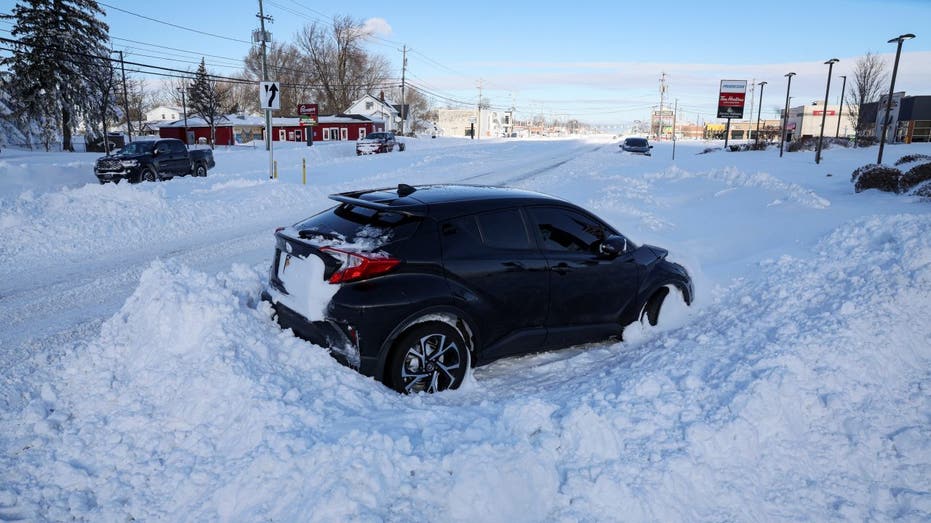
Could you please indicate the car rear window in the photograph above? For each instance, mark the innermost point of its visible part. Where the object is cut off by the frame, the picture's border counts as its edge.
(367, 229)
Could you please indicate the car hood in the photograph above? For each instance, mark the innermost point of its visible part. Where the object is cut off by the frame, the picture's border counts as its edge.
(372, 140)
(122, 157)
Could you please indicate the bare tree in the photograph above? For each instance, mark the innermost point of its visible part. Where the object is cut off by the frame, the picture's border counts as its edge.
(136, 100)
(342, 70)
(102, 101)
(869, 75)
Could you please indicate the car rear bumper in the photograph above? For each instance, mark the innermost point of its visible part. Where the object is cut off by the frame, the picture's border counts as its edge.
(327, 334)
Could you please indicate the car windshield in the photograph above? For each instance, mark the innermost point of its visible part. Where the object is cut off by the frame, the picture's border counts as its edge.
(376, 136)
(636, 142)
(137, 148)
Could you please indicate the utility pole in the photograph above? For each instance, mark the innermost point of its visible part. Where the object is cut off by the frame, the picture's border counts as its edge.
(264, 38)
(750, 119)
(184, 110)
(479, 109)
(662, 97)
(129, 125)
(403, 72)
(674, 111)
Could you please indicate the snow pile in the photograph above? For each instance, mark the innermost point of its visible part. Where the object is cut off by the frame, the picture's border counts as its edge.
(774, 403)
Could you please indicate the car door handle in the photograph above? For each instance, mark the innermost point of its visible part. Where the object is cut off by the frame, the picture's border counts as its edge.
(561, 268)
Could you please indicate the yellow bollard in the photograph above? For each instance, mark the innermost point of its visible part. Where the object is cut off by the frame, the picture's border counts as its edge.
(276, 169)
(304, 170)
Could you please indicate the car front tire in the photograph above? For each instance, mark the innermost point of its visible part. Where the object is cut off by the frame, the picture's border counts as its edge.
(148, 175)
(429, 357)
(200, 170)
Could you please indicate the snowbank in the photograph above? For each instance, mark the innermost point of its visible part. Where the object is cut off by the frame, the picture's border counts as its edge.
(774, 403)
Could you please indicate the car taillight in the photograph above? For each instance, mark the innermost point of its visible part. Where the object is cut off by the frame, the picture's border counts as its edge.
(356, 266)
(279, 229)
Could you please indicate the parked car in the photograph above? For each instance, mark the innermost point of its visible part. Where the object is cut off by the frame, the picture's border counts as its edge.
(380, 142)
(153, 160)
(414, 285)
(637, 145)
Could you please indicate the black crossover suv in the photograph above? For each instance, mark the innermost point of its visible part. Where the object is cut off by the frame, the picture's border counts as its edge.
(415, 284)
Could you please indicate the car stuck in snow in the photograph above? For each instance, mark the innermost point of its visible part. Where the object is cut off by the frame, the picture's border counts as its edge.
(379, 142)
(414, 285)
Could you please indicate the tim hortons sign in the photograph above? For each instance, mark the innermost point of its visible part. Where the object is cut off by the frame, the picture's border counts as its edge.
(731, 98)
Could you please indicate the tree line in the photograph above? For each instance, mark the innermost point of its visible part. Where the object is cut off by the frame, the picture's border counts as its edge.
(62, 77)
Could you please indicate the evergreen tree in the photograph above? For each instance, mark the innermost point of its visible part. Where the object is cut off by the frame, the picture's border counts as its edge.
(57, 54)
(207, 99)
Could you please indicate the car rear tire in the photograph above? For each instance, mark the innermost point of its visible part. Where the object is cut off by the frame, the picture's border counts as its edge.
(654, 305)
(429, 357)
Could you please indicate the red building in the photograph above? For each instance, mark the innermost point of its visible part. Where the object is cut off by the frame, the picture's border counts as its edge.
(233, 129)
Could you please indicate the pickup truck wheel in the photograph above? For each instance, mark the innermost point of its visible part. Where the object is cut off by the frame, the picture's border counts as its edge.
(200, 170)
(148, 175)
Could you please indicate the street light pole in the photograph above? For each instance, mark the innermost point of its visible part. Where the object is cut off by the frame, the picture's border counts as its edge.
(759, 112)
(824, 112)
(895, 68)
(840, 111)
(785, 114)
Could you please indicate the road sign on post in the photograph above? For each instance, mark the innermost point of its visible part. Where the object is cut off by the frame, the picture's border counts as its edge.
(268, 95)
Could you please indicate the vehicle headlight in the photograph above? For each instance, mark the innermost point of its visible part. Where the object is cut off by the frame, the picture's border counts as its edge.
(130, 163)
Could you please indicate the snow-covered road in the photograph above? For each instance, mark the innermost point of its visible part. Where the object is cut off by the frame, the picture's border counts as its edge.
(142, 378)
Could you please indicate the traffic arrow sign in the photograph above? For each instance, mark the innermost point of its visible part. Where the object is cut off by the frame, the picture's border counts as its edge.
(268, 95)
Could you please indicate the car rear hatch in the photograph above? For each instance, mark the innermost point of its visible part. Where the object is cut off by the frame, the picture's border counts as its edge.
(344, 244)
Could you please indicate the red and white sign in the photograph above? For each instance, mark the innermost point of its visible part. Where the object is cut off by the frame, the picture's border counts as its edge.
(308, 113)
(819, 112)
(731, 98)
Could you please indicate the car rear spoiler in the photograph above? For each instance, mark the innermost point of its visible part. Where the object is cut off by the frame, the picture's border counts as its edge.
(407, 210)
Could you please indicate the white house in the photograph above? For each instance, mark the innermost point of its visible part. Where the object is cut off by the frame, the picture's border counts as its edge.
(164, 113)
(376, 108)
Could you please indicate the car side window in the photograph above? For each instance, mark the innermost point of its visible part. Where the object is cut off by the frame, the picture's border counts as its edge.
(176, 147)
(567, 230)
(504, 229)
(461, 237)
(495, 230)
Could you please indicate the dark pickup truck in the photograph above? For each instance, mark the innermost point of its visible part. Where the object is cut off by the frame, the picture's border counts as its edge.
(153, 160)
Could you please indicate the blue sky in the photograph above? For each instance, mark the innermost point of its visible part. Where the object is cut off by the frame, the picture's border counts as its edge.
(596, 61)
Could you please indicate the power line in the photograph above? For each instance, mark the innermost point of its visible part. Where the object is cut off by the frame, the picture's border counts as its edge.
(175, 25)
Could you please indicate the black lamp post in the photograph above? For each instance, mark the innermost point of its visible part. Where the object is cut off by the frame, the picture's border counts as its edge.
(824, 112)
(759, 111)
(840, 111)
(785, 114)
(895, 68)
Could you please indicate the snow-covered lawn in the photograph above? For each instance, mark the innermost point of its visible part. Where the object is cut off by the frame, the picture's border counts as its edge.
(144, 380)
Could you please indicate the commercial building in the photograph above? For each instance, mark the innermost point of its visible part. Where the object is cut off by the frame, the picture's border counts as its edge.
(909, 118)
(804, 121)
(487, 123)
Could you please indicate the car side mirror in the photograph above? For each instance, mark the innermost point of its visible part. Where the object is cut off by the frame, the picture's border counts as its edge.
(612, 246)
(651, 147)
